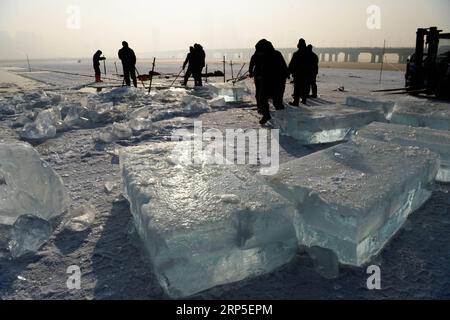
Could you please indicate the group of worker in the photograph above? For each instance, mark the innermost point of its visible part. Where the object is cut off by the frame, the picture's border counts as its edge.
(196, 61)
(270, 71)
(267, 67)
(128, 58)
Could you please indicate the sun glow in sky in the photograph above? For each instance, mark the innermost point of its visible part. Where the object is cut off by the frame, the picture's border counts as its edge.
(71, 28)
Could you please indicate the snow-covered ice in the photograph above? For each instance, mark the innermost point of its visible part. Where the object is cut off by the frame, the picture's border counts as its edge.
(321, 124)
(352, 198)
(437, 141)
(28, 185)
(417, 113)
(204, 225)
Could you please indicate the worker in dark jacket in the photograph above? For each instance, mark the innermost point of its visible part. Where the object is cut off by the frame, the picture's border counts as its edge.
(313, 64)
(96, 62)
(255, 71)
(197, 63)
(299, 69)
(128, 58)
(274, 75)
(187, 62)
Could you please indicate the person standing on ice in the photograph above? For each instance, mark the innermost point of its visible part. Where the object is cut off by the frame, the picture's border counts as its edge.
(128, 58)
(96, 61)
(273, 81)
(298, 68)
(313, 70)
(187, 62)
(255, 71)
(197, 63)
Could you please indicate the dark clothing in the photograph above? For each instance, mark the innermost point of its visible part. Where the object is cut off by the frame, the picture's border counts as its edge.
(274, 72)
(255, 71)
(197, 63)
(188, 72)
(313, 64)
(300, 69)
(130, 71)
(128, 58)
(96, 62)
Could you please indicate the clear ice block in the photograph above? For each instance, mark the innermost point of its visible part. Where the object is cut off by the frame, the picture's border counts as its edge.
(352, 198)
(437, 141)
(321, 124)
(204, 225)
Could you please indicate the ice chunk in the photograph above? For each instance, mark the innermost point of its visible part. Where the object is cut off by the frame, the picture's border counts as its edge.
(437, 141)
(352, 198)
(28, 234)
(81, 218)
(185, 107)
(204, 225)
(434, 115)
(217, 103)
(28, 185)
(114, 132)
(44, 127)
(231, 93)
(386, 107)
(321, 124)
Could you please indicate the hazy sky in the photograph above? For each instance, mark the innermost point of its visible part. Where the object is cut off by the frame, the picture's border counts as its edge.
(53, 28)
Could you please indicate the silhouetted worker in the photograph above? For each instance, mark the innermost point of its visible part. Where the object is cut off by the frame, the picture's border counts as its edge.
(274, 75)
(313, 64)
(96, 61)
(128, 58)
(298, 67)
(255, 71)
(197, 63)
(188, 62)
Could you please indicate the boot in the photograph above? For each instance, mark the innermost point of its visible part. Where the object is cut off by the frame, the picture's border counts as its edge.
(97, 78)
(264, 119)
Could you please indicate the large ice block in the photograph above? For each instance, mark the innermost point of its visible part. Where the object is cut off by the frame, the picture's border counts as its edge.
(238, 92)
(28, 185)
(437, 141)
(385, 107)
(321, 124)
(352, 198)
(434, 115)
(204, 225)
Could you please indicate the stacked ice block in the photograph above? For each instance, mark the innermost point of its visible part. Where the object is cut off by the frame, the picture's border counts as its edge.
(322, 124)
(434, 115)
(352, 198)
(437, 141)
(203, 224)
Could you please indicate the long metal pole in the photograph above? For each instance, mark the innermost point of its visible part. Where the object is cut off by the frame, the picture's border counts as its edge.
(231, 66)
(176, 78)
(151, 75)
(382, 60)
(224, 70)
(104, 67)
(206, 74)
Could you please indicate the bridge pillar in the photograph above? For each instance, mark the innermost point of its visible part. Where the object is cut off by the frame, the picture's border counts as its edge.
(330, 57)
(373, 58)
(336, 57)
(346, 56)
